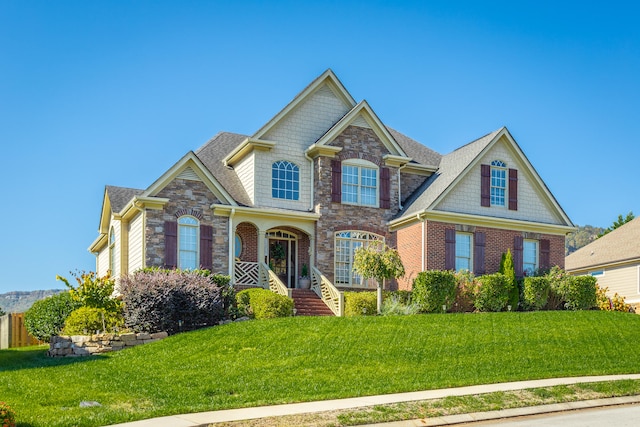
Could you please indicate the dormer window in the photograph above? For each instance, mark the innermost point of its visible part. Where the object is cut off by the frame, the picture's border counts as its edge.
(285, 180)
(498, 182)
(359, 183)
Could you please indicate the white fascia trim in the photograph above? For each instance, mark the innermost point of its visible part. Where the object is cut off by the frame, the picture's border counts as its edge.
(226, 210)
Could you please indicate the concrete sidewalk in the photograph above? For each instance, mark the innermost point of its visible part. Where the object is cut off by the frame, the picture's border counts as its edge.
(204, 418)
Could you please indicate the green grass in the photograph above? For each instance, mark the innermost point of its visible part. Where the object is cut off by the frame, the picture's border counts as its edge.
(303, 359)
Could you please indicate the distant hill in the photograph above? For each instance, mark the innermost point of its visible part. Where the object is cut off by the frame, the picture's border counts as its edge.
(581, 237)
(21, 301)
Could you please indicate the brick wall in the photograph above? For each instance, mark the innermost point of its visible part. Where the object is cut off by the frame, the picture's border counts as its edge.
(498, 241)
(187, 195)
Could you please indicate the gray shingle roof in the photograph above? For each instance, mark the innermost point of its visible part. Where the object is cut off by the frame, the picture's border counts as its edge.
(450, 167)
(621, 244)
(212, 154)
(120, 196)
(418, 152)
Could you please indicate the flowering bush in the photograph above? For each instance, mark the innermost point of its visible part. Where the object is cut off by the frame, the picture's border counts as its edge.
(7, 415)
(610, 304)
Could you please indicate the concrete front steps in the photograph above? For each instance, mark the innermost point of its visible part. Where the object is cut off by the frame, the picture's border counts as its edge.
(307, 303)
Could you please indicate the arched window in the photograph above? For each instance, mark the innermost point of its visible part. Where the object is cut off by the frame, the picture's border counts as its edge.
(285, 180)
(188, 239)
(498, 182)
(112, 251)
(346, 243)
(359, 182)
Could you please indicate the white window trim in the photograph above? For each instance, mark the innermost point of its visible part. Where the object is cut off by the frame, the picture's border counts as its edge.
(537, 261)
(295, 194)
(502, 166)
(370, 237)
(196, 226)
(470, 250)
(361, 164)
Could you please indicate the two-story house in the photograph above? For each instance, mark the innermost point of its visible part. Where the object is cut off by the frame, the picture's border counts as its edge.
(321, 178)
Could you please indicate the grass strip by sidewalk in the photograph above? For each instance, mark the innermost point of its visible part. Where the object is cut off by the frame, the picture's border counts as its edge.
(303, 359)
(453, 405)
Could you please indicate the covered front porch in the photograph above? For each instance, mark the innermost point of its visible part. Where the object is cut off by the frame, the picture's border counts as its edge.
(275, 250)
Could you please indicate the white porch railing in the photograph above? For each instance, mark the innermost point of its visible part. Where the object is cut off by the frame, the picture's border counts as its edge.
(332, 297)
(247, 274)
(275, 284)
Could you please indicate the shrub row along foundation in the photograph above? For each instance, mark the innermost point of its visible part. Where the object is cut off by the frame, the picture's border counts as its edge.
(86, 345)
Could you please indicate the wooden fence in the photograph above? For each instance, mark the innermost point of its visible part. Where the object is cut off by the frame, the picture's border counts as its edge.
(13, 332)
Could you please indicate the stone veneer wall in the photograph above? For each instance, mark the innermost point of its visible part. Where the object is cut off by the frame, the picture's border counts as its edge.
(184, 194)
(87, 345)
(362, 143)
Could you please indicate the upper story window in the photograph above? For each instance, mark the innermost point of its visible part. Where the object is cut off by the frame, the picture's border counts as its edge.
(463, 251)
(498, 182)
(188, 239)
(285, 180)
(530, 257)
(360, 183)
(112, 251)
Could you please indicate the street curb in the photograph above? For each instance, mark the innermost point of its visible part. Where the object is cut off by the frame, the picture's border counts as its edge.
(524, 411)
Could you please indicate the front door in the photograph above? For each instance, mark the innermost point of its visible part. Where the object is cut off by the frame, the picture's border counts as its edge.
(282, 258)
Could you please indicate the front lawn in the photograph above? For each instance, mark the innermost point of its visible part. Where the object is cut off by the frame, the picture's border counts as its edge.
(302, 359)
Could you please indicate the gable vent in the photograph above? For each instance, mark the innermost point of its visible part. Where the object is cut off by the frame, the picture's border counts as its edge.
(189, 174)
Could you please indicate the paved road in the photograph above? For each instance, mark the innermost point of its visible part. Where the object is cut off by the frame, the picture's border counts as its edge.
(618, 416)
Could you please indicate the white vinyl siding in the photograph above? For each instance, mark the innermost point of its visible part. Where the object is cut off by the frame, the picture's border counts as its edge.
(102, 262)
(136, 246)
(623, 280)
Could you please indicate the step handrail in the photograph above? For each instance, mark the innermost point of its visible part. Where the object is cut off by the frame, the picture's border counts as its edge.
(332, 297)
(270, 280)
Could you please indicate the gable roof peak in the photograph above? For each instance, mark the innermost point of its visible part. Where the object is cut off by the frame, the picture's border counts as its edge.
(327, 77)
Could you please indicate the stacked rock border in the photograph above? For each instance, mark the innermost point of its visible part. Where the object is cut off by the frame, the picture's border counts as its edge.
(87, 345)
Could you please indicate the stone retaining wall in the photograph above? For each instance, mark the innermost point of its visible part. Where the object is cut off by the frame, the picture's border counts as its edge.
(87, 345)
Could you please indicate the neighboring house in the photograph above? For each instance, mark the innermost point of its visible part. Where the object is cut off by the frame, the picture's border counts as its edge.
(614, 259)
(321, 178)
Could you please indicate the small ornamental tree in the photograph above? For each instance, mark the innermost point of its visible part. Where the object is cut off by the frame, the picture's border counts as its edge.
(508, 270)
(378, 262)
(93, 291)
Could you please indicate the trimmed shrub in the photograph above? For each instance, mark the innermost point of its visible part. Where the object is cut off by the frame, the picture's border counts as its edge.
(434, 289)
(580, 292)
(171, 300)
(90, 320)
(243, 301)
(363, 303)
(46, 317)
(7, 415)
(557, 288)
(492, 293)
(268, 305)
(536, 292)
(465, 292)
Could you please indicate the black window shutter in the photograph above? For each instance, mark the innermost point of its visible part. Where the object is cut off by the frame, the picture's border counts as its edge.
(336, 181)
(513, 189)
(479, 239)
(385, 188)
(170, 244)
(206, 247)
(518, 260)
(450, 249)
(545, 254)
(485, 185)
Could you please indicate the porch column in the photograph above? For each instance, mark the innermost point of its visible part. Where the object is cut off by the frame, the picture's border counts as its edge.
(312, 251)
(262, 235)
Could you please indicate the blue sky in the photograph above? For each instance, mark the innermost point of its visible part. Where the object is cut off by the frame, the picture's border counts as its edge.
(96, 93)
